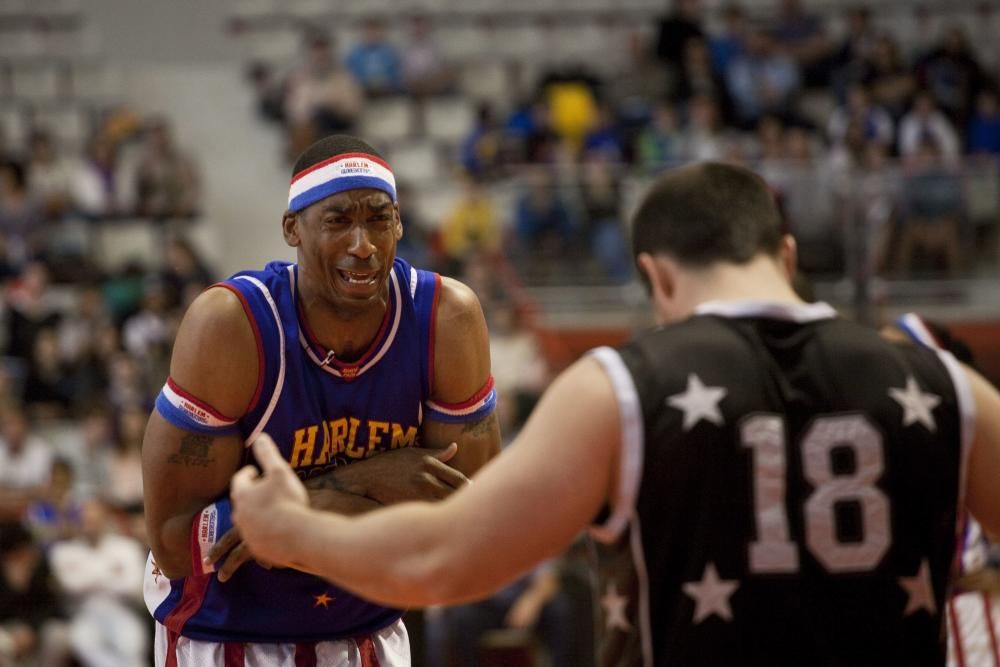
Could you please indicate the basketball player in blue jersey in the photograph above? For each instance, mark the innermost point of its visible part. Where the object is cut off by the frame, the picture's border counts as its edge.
(373, 378)
(779, 486)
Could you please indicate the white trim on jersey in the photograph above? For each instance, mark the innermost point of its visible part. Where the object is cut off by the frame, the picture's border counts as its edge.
(391, 644)
(280, 383)
(967, 411)
(386, 344)
(639, 561)
(630, 457)
(793, 312)
(413, 282)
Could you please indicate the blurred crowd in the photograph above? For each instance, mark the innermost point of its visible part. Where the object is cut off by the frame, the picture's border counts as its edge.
(83, 351)
(897, 113)
(873, 141)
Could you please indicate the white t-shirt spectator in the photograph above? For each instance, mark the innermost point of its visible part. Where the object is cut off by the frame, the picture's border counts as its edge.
(27, 468)
(914, 130)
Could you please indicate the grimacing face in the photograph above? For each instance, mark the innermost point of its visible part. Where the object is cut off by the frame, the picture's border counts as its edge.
(346, 245)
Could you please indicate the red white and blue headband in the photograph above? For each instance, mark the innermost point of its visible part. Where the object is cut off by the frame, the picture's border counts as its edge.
(347, 171)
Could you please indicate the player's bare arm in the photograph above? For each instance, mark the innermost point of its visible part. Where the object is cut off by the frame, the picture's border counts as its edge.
(461, 371)
(406, 555)
(215, 359)
(983, 492)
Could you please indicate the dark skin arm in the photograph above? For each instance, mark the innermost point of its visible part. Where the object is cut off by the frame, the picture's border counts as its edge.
(461, 368)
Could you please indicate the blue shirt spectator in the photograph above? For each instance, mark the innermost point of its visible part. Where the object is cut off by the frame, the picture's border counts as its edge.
(984, 128)
(376, 63)
(727, 45)
(761, 80)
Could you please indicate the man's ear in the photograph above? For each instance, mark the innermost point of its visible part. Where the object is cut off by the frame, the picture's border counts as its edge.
(661, 280)
(398, 232)
(788, 255)
(290, 228)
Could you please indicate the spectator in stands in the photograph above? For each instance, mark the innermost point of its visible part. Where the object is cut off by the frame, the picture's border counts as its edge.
(124, 491)
(891, 82)
(851, 58)
(542, 221)
(126, 385)
(50, 175)
(167, 183)
(761, 80)
(602, 229)
(878, 198)
(471, 228)
(184, 273)
(25, 459)
(102, 573)
(571, 94)
(932, 196)
(770, 141)
(375, 62)
(876, 123)
(803, 37)
(481, 151)
(544, 603)
(92, 369)
(925, 123)
(984, 127)
(79, 329)
(30, 310)
(425, 71)
(55, 514)
(48, 388)
(643, 81)
(322, 97)
(97, 186)
(659, 143)
(675, 29)
(21, 215)
(604, 136)
(149, 328)
(952, 74)
(91, 452)
(31, 611)
(702, 137)
(697, 76)
(731, 42)
(521, 371)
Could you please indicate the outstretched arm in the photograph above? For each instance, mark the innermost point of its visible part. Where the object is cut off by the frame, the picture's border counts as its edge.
(525, 507)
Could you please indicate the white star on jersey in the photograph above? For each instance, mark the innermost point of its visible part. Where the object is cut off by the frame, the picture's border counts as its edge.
(614, 610)
(917, 405)
(711, 595)
(919, 590)
(698, 402)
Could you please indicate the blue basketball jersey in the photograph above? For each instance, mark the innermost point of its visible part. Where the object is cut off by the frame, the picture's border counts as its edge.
(321, 413)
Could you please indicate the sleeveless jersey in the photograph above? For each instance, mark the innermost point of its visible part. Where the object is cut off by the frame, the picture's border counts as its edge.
(321, 413)
(788, 493)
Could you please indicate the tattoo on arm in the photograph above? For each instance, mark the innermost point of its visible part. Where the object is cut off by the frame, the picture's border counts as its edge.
(480, 426)
(194, 451)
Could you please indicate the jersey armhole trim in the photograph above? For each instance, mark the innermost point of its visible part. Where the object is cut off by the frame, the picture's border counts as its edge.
(632, 439)
(280, 381)
(967, 413)
(261, 369)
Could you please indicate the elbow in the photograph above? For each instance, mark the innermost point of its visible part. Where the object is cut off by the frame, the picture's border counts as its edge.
(169, 562)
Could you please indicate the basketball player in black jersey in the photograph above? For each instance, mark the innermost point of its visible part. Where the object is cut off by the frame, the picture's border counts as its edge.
(773, 484)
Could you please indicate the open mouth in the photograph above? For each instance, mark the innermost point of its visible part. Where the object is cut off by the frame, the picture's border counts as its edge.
(360, 279)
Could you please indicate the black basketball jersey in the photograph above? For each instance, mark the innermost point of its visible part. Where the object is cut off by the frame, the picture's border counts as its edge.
(788, 493)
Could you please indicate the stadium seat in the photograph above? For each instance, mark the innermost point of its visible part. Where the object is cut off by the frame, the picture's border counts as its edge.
(433, 204)
(14, 127)
(35, 82)
(485, 81)
(69, 123)
(449, 120)
(387, 121)
(415, 162)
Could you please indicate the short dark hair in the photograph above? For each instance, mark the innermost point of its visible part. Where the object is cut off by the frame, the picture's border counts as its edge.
(706, 213)
(328, 147)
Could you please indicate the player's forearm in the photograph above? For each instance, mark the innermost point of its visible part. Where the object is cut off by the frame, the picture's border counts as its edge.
(342, 502)
(401, 558)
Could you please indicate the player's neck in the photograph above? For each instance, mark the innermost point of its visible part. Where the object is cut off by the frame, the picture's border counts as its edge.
(761, 279)
(346, 329)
